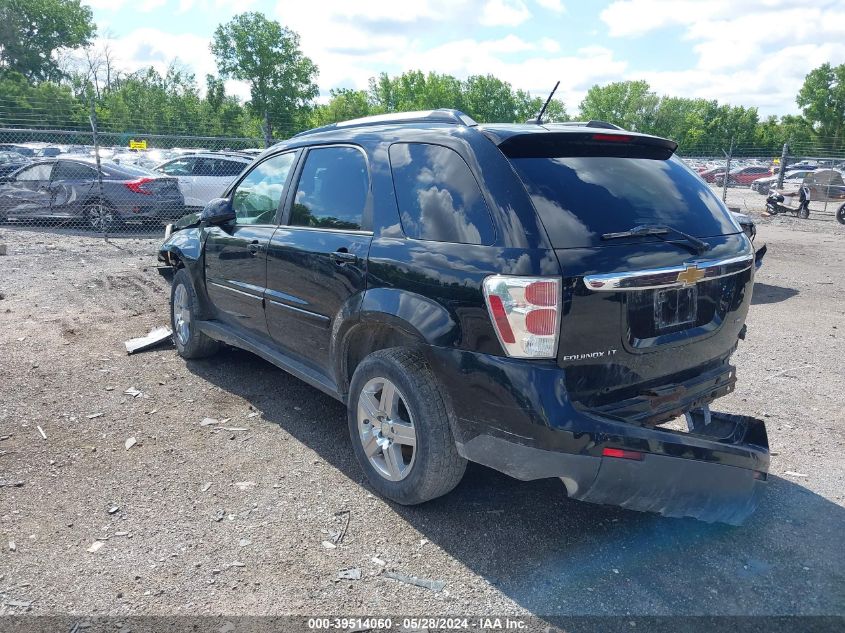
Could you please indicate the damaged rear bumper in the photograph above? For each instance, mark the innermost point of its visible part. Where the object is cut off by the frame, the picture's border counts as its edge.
(677, 481)
(516, 417)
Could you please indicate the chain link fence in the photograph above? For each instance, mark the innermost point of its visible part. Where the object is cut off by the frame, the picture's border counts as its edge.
(106, 181)
(744, 177)
(113, 183)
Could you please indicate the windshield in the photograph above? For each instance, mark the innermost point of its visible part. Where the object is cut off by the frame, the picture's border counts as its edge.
(581, 198)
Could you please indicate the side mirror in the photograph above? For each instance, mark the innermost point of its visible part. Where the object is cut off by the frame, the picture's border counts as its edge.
(218, 211)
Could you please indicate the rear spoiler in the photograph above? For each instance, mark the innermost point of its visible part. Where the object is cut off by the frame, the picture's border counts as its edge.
(594, 143)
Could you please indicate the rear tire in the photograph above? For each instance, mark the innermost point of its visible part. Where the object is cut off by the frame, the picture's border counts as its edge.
(100, 217)
(184, 313)
(404, 444)
(840, 214)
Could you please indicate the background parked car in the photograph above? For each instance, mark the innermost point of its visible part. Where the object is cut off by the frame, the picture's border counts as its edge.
(11, 161)
(23, 150)
(68, 188)
(823, 184)
(203, 177)
(792, 177)
(742, 175)
(709, 175)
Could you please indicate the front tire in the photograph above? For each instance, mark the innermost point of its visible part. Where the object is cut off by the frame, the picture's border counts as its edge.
(184, 313)
(840, 214)
(399, 426)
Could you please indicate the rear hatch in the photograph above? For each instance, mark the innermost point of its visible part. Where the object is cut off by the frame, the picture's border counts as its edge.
(649, 320)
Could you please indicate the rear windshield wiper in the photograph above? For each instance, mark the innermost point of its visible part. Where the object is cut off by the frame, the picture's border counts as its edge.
(698, 245)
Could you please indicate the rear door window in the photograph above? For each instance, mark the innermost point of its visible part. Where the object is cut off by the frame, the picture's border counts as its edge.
(581, 198)
(66, 170)
(438, 197)
(178, 167)
(332, 190)
(229, 168)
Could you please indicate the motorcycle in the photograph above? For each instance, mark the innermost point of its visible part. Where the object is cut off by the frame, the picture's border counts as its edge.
(776, 204)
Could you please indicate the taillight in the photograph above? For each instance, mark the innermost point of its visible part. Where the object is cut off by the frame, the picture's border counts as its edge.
(526, 314)
(138, 185)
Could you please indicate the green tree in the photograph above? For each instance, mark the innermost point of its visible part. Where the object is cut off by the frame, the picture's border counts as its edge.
(31, 31)
(822, 100)
(489, 99)
(261, 52)
(628, 104)
(414, 90)
(527, 107)
(45, 104)
(343, 105)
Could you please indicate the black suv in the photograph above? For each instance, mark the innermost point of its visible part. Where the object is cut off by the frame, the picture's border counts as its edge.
(544, 299)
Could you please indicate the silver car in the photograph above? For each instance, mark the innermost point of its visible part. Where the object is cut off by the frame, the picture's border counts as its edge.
(69, 189)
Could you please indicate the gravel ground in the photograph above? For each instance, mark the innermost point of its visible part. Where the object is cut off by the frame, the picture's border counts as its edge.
(230, 518)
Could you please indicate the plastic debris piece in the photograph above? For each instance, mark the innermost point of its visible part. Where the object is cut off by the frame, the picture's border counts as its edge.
(130, 442)
(155, 338)
(353, 573)
(434, 585)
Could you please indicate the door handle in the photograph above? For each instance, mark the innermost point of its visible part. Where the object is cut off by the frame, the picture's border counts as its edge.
(255, 248)
(342, 256)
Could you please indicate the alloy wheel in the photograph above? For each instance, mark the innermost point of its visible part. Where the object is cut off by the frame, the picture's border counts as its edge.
(386, 429)
(100, 217)
(181, 314)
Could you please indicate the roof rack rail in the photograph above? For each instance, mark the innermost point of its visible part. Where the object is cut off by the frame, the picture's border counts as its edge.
(591, 123)
(442, 115)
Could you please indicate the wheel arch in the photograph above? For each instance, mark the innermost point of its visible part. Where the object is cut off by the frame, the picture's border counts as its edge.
(184, 249)
(384, 318)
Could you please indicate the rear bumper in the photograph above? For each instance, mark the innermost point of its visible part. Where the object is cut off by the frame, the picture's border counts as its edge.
(515, 417)
(670, 486)
(160, 210)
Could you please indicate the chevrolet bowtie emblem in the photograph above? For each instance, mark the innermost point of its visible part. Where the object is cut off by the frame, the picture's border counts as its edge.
(690, 276)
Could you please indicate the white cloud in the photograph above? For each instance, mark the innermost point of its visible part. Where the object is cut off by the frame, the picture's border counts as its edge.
(740, 47)
(549, 45)
(770, 85)
(504, 13)
(150, 5)
(552, 5)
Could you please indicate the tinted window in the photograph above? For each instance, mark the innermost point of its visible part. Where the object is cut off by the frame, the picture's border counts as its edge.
(73, 171)
(580, 199)
(178, 167)
(438, 197)
(258, 195)
(36, 172)
(229, 168)
(332, 190)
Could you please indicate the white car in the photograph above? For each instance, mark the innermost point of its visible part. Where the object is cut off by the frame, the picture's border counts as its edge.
(203, 177)
(792, 177)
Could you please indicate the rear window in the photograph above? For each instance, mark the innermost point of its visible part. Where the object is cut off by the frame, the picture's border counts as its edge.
(581, 198)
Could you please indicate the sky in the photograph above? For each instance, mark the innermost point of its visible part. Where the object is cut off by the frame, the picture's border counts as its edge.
(742, 52)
